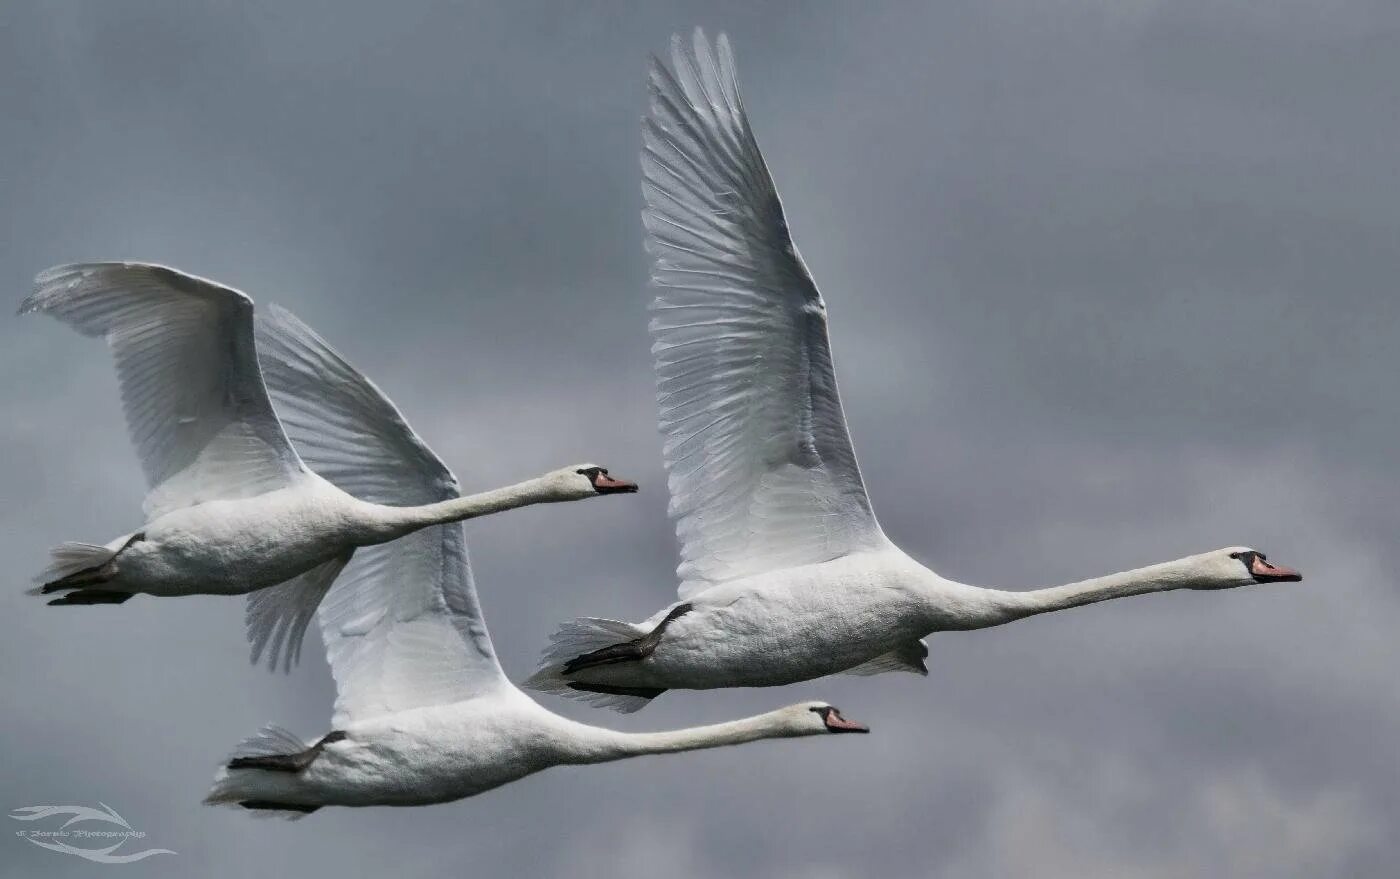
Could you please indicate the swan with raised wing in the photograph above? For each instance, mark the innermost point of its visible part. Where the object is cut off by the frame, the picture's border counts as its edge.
(423, 712)
(232, 508)
(785, 573)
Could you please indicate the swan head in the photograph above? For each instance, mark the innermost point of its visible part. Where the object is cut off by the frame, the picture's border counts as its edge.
(584, 481)
(1237, 566)
(817, 718)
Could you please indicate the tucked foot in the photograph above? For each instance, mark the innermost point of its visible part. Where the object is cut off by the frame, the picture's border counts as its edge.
(629, 651)
(92, 575)
(278, 807)
(610, 690)
(92, 596)
(284, 763)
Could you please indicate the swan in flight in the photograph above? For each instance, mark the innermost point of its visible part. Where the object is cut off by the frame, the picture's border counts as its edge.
(423, 712)
(785, 574)
(232, 508)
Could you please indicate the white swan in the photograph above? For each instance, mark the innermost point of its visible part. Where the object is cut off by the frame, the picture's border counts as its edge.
(232, 508)
(785, 574)
(423, 712)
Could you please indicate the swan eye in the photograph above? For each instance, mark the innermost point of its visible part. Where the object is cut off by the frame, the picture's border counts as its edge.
(590, 472)
(1247, 558)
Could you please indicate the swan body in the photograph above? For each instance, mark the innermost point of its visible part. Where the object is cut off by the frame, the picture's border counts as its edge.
(785, 573)
(449, 752)
(232, 508)
(231, 547)
(423, 712)
(768, 630)
(864, 614)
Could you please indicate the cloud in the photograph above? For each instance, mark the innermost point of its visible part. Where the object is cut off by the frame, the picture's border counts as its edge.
(1109, 284)
(1236, 824)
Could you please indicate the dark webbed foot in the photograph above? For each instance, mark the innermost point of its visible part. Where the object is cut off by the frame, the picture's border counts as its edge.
(93, 576)
(286, 762)
(609, 689)
(628, 651)
(77, 580)
(92, 596)
(277, 807)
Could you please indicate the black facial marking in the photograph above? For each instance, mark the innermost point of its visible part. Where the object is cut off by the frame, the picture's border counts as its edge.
(1248, 558)
(608, 485)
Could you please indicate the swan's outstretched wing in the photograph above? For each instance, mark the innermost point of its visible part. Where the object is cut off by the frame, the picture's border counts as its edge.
(761, 470)
(402, 625)
(194, 398)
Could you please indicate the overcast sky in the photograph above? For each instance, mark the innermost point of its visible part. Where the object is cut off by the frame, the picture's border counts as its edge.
(1109, 282)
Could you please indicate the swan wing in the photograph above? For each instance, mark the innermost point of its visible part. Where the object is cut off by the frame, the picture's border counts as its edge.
(402, 625)
(760, 465)
(195, 404)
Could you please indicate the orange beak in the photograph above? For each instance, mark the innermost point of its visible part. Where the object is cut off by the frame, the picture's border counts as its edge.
(838, 724)
(1267, 573)
(605, 484)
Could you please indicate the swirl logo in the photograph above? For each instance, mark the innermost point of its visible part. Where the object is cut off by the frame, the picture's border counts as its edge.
(62, 837)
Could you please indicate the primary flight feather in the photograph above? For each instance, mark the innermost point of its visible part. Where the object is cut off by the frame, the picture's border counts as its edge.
(232, 508)
(785, 575)
(423, 712)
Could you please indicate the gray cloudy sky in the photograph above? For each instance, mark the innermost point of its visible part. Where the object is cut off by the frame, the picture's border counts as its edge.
(1110, 283)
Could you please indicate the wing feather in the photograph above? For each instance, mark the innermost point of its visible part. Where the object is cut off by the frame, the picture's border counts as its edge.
(195, 403)
(760, 464)
(402, 625)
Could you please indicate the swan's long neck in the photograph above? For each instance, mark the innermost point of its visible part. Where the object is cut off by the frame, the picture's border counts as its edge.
(1001, 606)
(600, 745)
(394, 522)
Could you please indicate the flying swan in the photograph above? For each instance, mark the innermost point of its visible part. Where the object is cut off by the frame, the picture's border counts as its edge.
(423, 712)
(232, 509)
(785, 574)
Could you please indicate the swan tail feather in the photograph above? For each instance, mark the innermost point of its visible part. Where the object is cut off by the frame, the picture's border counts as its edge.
(906, 658)
(68, 559)
(586, 635)
(269, 741)
(264, 793)
(578, 638)
(232, 789)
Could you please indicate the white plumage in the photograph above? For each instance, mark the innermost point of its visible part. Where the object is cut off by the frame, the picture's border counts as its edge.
(415, 592)
(232, 508)
(423, 712)
(785, 575)
(761, 470)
